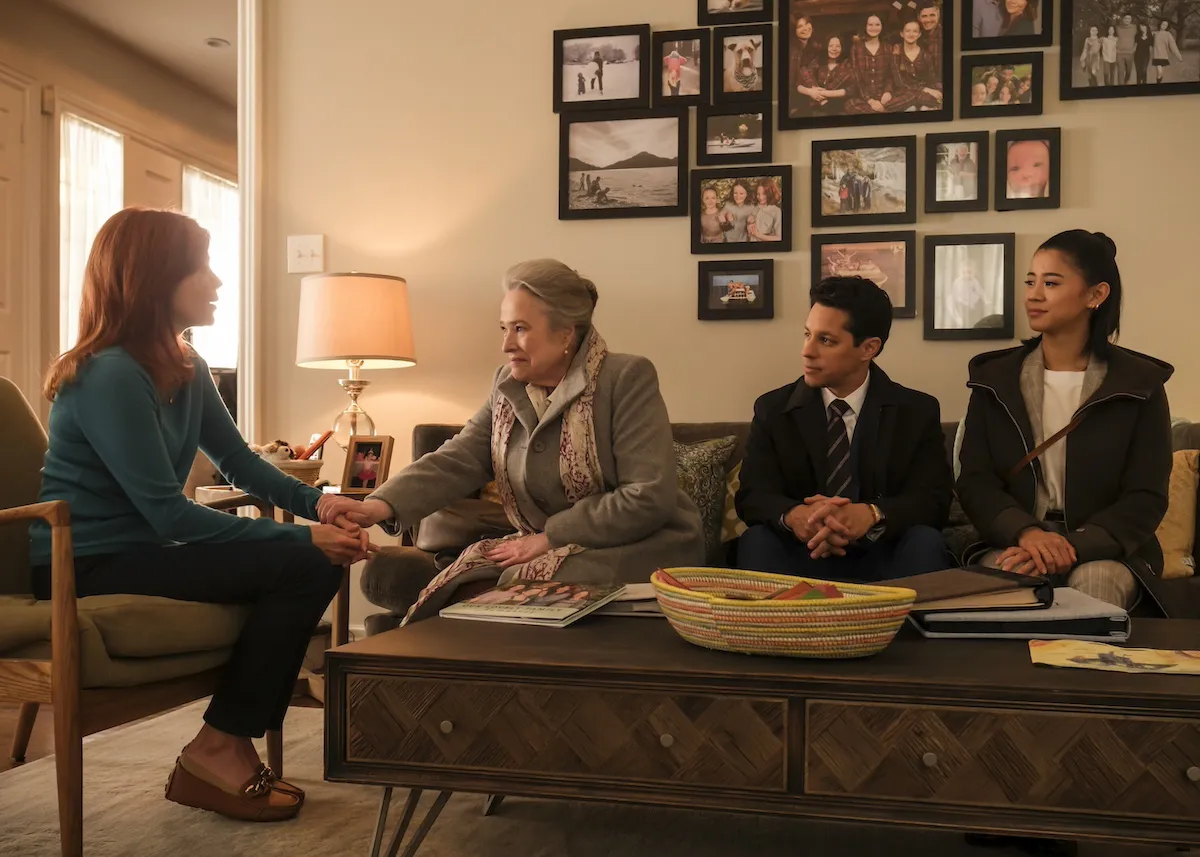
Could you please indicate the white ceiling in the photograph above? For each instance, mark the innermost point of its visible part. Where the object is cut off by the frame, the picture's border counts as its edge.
(172, 32)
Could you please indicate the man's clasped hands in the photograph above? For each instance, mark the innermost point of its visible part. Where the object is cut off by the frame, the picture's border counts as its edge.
(827, 525)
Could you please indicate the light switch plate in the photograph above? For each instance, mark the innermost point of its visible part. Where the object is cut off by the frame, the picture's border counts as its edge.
(306, 254)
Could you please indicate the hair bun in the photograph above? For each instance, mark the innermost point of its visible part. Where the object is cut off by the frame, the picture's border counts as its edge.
(590, 287)
(1107, 243)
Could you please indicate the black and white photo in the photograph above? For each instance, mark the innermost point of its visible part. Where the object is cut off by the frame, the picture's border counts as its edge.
(956, 172)
(993, 24)
(864, 62)
(718, 13)
(631, 164)
(1001, 85)
(743, 210)
(601, 68)
(736, 290)
(681, 77)
(969, 286)
(1028, 169)
(1127, 49)
(888, 259)
(864, 182)
(734, 134)
(742, 65)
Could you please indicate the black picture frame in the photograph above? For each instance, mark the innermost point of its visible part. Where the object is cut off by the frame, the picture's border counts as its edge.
(708, 270)
(1042, 19)
(882, 275)
(658, 74)
(567, 186)
(1006, 329)
(997, 110)
(705, 115)
(704, 179)
(933, 177)
(1077, 17)
(707, 18)
(1053, 194)
(831, 17)
(765, 34)
(562, 102)
(822, 147)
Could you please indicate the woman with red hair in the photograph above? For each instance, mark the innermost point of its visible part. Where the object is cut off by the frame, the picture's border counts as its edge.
(132, 404)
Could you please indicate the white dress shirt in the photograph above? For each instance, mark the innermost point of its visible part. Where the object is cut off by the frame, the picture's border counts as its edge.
(854, 400)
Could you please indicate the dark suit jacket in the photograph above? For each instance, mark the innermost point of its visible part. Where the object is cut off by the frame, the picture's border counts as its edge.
(901, 453)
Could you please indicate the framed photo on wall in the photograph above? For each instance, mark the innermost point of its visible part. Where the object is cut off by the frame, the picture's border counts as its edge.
(888, 259)
(368, 459)
(622, 164)
(839, 68)
(969, 285)
(718, 13)
(1156, 46)
(864, 182)
(1028, 169)
(602, 68)
(742, 64)
(956, 172)
(680, 77)
(736, 290)
(746, 210)
(989, 25)
(734, 134)
(995, 85)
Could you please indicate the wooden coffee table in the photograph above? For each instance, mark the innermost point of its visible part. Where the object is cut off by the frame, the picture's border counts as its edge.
(950, 734)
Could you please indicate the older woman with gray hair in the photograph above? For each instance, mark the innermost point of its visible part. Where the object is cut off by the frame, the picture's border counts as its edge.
(578, 442)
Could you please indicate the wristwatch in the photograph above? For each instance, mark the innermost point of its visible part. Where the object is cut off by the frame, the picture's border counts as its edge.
(877, 529)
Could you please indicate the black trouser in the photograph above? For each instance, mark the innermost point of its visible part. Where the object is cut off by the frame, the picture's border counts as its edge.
(287, 585)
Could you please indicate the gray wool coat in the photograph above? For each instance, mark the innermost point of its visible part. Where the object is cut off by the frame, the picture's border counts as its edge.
(641, 521)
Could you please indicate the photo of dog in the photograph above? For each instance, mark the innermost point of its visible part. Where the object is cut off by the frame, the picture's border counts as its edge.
(743, 65)
(743, 56)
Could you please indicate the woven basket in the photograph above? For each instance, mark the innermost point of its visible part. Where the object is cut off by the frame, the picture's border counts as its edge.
(307, 471)
(711, 614)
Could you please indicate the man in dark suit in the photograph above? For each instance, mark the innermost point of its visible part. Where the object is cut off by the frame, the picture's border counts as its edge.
(846, 474)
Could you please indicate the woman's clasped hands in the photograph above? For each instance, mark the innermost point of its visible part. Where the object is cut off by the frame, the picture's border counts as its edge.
(1038, 552)
(342, 531)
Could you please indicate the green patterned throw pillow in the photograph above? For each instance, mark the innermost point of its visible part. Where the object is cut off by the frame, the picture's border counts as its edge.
(701, 468)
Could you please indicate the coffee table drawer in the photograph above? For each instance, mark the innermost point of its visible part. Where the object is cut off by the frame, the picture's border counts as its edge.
(738, 742)
(976, 756)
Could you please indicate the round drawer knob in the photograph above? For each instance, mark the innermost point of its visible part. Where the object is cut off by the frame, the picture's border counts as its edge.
(1193, 774)
(666, 740)
(446, 726)
(929, 760)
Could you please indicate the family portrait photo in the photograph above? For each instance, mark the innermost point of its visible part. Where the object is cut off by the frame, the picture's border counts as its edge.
(736, 211)
(865, 181)
(736, 290)
(717, 13)
(969, 286)
(601, 68)
(861, 62)
(737, 135)
(956, 172)
(631, 165)
(1002, 85)
(888, 259)
(742, 64)
(1007, 24)
(1028, 169)
(368, 458)
(682, 75)
(1118, 50)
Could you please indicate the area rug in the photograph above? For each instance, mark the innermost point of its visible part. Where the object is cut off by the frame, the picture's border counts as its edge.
(126, 816)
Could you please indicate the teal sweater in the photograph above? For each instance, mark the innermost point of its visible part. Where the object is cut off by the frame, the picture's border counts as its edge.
(120, 454)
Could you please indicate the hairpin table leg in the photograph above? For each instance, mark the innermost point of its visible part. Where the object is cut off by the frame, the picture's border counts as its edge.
(491, 803)
(425, 826)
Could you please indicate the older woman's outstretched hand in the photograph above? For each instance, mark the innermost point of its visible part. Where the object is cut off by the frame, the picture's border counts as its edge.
(512, 552)
(365, 513)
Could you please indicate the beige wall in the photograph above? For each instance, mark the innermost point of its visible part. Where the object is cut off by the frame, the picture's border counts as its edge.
(419, 138)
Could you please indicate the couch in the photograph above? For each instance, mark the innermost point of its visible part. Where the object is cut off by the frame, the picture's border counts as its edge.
(394, 577)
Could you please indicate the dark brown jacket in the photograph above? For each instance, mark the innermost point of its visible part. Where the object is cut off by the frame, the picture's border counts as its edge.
(1118, 458)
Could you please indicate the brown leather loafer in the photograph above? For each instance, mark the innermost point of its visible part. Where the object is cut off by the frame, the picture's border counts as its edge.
(256, 800)
(280, 785)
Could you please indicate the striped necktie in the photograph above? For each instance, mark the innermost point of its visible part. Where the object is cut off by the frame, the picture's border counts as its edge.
(838, 480)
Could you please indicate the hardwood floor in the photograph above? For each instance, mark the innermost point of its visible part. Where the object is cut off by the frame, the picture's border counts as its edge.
(40, 744)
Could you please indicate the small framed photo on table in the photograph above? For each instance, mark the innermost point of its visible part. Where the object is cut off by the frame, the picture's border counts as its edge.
(1028, 169)
(969, 286)
(368, 459)
(736, 290)
(957, 172)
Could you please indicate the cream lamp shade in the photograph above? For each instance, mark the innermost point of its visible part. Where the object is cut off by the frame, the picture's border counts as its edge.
(354, 317)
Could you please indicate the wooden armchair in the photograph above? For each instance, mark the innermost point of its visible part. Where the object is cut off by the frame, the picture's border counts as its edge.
(103, 660)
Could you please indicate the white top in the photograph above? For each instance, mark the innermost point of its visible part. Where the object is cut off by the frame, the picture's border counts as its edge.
(854, 400)
(1060, 400)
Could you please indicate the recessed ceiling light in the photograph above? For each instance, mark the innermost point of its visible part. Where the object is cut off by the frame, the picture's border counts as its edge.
(214, 42)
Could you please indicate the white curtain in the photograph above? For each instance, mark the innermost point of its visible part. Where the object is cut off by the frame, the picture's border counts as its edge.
(91, 190)
(213, 203)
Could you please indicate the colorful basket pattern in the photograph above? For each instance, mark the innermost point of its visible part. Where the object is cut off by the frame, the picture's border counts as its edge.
(861, 623)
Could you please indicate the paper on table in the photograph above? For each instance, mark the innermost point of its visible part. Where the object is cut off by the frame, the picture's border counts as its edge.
(1102, 656)
(637, 592)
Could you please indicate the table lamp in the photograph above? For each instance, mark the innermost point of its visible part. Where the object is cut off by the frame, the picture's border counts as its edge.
(354, 322)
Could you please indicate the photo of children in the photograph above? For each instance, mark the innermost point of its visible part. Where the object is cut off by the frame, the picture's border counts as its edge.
(681, 68)
(368, 458)
(365, 472)
(1001, 85)
(742, 210)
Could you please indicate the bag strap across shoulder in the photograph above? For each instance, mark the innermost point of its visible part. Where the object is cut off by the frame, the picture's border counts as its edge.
(1046, 444)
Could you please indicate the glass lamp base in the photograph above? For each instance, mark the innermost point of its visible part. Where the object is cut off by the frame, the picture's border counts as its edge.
(352, 421)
